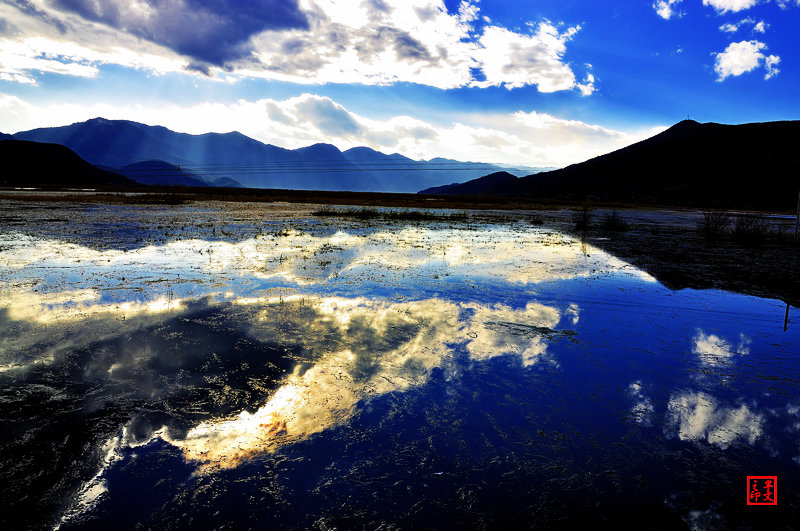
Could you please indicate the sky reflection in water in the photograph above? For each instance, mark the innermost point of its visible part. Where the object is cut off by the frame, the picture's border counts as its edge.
(281, 346)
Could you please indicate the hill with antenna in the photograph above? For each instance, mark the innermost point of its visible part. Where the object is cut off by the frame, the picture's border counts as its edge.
(754, 165)
(213, 156)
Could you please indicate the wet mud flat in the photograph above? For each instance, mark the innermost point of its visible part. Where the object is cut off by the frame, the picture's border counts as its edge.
(213, 364)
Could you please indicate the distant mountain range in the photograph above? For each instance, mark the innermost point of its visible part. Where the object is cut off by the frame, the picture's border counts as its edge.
(51, 165)
(753, 165)
(236, 158)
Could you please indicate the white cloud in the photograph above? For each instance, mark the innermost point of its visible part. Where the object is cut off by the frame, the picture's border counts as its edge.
(514, 60)
(699, 417)
(666, 8)
(732, 6)
(350, 41)
(533, 139)
(733, 27)
(17, 59)
(745, 56)
(40, 44)
(587, 87)
(770, 63)
(210, 33)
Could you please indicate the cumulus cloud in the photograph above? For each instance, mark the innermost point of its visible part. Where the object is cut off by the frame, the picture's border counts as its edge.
(733, 27)
(526, 138)
(329, 117)
(214, 31)
(745, 56)
(730, 6)
(666, 8)
(771, 63)
(516, 60)
(31, 44)
(760, 27)
(587, 87)
(313, 41)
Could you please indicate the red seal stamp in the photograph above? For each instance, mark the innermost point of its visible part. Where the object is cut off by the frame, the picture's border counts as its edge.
(762, 490)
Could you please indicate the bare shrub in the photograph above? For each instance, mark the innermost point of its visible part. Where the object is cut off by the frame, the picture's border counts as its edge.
(714, 224)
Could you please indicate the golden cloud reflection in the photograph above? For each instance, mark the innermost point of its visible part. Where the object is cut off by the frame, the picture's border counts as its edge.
(43, 308)
(373, 347)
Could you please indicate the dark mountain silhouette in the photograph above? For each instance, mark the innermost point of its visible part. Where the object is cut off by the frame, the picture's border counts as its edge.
(34, 164)
(4, 136)
(158, 172)
(473, 187)
(118, 143)
(753, 165)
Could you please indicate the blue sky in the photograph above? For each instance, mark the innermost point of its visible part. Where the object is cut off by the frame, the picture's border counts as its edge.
(543, 83)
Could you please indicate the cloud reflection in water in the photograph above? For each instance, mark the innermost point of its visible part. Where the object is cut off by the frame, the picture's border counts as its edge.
(375, 347)
(200, 267)
(352, 348)
(698, 416)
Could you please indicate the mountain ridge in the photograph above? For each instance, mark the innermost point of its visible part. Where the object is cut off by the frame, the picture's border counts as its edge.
(118, 143)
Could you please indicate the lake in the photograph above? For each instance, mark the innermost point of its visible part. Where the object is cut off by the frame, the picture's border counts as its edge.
(213, 365)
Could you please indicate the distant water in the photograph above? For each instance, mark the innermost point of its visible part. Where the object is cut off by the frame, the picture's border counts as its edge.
(250, 366)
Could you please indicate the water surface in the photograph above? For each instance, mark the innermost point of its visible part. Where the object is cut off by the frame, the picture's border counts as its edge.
(229, 366)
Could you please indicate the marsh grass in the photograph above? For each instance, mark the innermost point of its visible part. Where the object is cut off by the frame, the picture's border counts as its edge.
(535, 219)
(750, 229)
(391, 215)
(146, 199)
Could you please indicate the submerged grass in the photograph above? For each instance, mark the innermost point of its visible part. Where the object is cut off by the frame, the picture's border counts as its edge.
(392, 215)
(146, 199)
